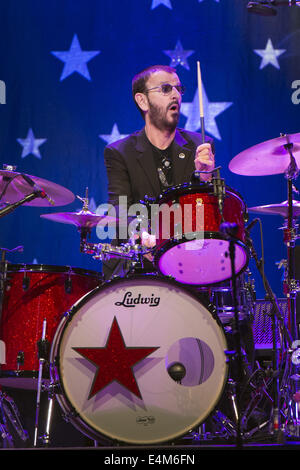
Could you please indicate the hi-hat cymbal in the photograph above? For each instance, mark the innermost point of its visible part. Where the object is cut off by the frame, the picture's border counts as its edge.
(278, 209)
(14, 187)
(267, 158)
(81, 218)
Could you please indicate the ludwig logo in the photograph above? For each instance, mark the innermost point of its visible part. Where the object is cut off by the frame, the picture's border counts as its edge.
(130, 301)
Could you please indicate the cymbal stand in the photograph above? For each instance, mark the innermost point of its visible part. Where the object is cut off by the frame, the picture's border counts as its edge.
(51, 401)
(10, 418)
(291, 174)
(292, 288)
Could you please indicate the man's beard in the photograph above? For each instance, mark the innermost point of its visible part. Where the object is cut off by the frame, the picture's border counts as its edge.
(161, 120)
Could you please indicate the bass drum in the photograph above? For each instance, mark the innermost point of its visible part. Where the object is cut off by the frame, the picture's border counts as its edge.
(138, 360)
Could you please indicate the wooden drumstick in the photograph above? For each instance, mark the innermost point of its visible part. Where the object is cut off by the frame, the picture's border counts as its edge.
(200, 102)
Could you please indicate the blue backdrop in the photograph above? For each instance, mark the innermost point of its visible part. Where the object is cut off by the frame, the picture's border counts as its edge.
(66, 70)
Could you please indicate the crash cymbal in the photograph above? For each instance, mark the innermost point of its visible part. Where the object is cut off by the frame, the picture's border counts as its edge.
(14, 186)
(267, 158)
(278, 209)
(81, 218)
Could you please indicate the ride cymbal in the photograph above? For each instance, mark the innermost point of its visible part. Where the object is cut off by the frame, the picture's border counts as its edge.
(267, 158)
(278, 209)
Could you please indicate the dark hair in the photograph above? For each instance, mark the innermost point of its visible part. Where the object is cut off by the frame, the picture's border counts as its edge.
(140, 80)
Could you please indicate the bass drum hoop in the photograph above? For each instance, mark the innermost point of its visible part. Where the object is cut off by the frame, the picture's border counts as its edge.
(70, 412)
(49, 268)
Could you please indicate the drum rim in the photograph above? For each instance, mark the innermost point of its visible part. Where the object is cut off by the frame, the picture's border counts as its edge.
(200, 187)
(49, 268)
(54, 359)
(19, 374)
(132, 276)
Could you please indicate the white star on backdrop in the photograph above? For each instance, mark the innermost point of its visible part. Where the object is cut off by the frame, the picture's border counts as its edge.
(179, 56)
(210, 110)
(156, 3)
(113, 136)
(269, 55)
(75, 59)
(92, 205)
(31, 145)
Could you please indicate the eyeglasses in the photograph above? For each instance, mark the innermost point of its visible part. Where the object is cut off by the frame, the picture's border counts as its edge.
(166, 88)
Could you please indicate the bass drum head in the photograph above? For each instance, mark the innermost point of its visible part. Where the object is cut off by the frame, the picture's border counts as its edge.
(111, 357)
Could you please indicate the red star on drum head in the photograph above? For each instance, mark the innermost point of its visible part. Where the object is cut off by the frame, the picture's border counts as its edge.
(115, 361)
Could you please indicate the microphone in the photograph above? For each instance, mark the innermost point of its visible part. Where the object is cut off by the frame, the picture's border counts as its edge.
(38, 188)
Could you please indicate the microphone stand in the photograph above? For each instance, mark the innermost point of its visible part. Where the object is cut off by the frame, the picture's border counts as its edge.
(11, 207)
(230, 231)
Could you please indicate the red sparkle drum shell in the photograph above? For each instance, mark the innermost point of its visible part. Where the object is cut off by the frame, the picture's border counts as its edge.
(34, 293)
(151, 312)
(199, 256)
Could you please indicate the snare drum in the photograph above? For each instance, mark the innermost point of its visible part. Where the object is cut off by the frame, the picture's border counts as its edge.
(114, 358)
(221, 296)
(196, 252)
(34, 293)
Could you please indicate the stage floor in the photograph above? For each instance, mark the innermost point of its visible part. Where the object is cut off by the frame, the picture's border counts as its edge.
(164, 455)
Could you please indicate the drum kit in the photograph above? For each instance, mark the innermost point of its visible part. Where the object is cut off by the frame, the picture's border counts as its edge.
(153, 357)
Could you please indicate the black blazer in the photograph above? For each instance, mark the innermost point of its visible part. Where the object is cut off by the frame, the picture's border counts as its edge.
(131, 169)
(131, 172)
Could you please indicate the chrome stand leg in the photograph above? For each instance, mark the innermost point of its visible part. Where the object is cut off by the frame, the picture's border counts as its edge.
(46, 436)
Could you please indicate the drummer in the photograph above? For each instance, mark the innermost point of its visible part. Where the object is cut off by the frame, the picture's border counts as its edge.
(159, 155)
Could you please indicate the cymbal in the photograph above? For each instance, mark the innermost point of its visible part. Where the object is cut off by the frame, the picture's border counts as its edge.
(267, 158)
(83, 218)
(14, 187)
(278, 209)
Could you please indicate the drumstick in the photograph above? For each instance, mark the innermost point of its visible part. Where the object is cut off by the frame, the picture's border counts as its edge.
(200, 102)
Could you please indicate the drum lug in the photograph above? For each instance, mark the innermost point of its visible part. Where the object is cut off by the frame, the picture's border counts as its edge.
(230, 355)
(70, 416)
(54, 388)
(20, 359)
(68, 285)
(68, 315)
(25, 283)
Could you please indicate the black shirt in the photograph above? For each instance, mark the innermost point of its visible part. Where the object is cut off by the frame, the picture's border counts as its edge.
(163, 162)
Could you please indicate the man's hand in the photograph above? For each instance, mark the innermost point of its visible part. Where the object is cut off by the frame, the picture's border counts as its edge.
(204, 160)
(148, 241)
